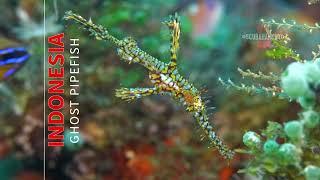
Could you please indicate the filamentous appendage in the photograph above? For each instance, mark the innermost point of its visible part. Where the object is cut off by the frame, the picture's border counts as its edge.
(311, 2)
(291, 24)
(273, 91)
(164, 76)
(268, 77)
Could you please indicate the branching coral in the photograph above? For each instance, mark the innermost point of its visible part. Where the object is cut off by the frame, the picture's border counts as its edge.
(254, 89)
(311, 2)
(287, 151)
(272, 91)
(280, 50)
(291, 24)
(270, 77)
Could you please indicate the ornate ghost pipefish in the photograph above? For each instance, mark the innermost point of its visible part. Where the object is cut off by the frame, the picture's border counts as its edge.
(164, 76)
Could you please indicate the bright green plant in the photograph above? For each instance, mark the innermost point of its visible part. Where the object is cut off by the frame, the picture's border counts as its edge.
(294, 158)
(286, 150)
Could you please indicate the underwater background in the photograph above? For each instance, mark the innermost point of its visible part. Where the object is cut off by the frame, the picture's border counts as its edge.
(153, 137)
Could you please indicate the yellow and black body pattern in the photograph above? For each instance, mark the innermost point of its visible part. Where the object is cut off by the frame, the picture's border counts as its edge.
(164, 76)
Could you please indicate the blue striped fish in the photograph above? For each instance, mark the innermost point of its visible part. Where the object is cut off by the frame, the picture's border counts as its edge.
(11, 59)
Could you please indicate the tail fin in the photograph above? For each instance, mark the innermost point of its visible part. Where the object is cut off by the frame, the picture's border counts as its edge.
(202, 120)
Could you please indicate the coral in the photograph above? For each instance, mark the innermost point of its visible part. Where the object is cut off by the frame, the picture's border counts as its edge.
(248, 73)
(280, 48)
(294, 157)
(273, 91)
(311, 2)
(291, 24)
(285, 150)
(281, 51)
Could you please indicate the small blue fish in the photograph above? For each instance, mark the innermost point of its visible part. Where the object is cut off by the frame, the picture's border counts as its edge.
(11, 59)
